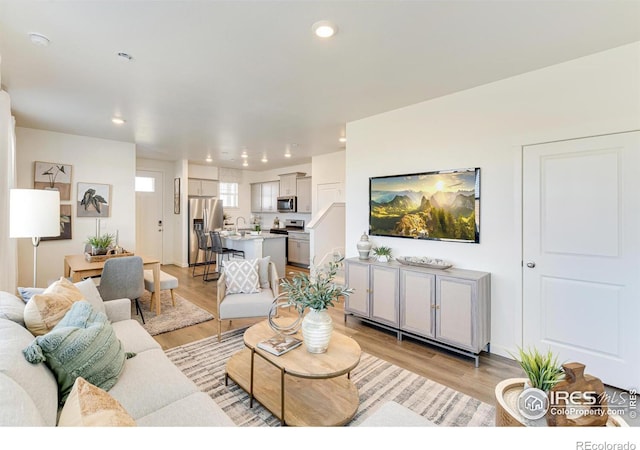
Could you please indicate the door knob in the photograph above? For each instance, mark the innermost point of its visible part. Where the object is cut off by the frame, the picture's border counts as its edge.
(531, 265)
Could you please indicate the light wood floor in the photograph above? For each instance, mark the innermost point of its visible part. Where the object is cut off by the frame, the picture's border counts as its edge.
(448, 368)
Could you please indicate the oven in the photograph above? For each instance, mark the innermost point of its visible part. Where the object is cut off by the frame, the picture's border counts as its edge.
(289, 225)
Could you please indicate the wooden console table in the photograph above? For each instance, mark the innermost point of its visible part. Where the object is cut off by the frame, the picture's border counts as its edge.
(298, 387)
(77, 268)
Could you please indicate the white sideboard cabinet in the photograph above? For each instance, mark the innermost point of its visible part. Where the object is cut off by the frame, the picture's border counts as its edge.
(448, 308)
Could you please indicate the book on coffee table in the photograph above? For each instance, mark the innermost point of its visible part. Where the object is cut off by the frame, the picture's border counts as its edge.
(279, 344)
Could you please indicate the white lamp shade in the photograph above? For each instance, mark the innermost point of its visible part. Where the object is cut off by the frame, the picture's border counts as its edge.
(34, 213)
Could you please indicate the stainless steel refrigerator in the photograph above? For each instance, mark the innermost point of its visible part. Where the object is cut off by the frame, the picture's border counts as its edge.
(206, 214)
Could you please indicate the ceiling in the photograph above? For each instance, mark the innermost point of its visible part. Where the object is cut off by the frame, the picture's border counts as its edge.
(214, 78)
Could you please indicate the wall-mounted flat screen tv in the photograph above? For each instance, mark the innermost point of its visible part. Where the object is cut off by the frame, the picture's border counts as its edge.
(442, 205)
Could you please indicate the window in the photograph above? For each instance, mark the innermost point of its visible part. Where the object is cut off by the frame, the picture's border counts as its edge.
(145, 184)
(229, 194)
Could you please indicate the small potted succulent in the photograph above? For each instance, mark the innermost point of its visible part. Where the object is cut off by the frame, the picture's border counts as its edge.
(382, 253)
(542, 370)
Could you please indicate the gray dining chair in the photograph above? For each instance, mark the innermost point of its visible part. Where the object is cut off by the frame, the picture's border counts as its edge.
(123, 277)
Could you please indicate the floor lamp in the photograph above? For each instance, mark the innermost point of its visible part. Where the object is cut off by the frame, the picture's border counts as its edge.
(34, 213)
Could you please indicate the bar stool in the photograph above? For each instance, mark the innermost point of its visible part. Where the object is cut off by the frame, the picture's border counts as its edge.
(218, 249)
(203, 245)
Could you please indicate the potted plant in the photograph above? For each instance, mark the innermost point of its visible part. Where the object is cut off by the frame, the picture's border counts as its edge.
(542, 370)
(383, 253)
(316, 291)
(100, 244)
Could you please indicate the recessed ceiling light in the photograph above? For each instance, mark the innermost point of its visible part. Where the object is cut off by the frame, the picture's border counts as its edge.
(208, 159)
(324, 29)
(264, 159)
(39, 39)
(244, 155)
(118, 120)
(287, 155)
(343, 139)
(125, 56)
(245, 163)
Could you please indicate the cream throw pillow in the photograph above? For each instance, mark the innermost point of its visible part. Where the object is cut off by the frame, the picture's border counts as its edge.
(241, 276)
(44, 311)
(90, 406)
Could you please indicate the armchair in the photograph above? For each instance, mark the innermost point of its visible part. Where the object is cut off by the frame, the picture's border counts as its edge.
(245, 306)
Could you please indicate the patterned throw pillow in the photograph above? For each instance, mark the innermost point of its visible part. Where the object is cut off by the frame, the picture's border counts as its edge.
(44, 311)
(82, 344)
(90, 406)
(241, 276)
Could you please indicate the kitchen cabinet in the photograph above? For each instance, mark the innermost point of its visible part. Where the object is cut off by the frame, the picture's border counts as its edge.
(288, 183)
(298, 249)
(448, 308)
(303, 191)
(197, 186)
(264, 197)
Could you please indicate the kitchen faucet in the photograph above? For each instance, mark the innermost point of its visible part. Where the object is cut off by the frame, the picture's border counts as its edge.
(243, 220)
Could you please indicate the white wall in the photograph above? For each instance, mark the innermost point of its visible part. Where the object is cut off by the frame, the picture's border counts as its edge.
(93, 160)
(486, 127)
(327, 169)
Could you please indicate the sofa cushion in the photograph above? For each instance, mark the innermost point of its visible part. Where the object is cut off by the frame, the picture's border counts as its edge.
(90, 292)
(241, 276)
(134, 338)
(17, 408)
(11, 307)
(37, 381)
(247, 305)
(195, 410)
(90, 406)
(150, 381)
(44, 311)
(82, 344)
(27, 292)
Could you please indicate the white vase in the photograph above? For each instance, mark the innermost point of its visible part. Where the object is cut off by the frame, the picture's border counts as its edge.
(383, 258)
(364, 246)
(317, 327)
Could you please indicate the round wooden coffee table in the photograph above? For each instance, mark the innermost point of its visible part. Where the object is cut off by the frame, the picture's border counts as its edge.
(298, 387)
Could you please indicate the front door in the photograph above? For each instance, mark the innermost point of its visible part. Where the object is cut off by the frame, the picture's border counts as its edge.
(149, 217)
(581, 248)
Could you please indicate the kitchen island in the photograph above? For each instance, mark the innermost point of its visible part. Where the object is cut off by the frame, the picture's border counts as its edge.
(260, 245)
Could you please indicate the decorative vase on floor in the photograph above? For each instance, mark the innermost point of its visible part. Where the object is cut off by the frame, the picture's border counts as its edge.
(317, 327)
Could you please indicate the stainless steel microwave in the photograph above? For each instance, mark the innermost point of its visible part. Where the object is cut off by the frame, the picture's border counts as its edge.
(287, 204)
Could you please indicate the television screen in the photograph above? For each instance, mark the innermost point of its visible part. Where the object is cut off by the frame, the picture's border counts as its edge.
(442, 205)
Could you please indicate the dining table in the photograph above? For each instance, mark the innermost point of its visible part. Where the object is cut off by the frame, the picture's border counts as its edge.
(78, 268)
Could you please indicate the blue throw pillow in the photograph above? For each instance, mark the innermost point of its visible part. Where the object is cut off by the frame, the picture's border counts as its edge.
(83, 344)
(27, 292)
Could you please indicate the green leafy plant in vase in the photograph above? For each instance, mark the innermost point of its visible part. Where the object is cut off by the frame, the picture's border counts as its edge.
(100, 244)
(542, 370)
(316, 291)
(382, 253)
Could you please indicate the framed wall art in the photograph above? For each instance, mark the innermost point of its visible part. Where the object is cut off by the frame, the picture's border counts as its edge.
(65, 225)
(176, 195)
(53, 176)
(94, 200)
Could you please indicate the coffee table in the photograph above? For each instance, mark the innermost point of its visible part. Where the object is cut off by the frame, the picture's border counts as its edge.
(298, 387)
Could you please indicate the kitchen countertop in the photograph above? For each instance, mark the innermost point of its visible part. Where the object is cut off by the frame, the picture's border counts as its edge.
(249, 237)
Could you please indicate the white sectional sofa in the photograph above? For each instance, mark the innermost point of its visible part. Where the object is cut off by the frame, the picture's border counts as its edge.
(151, 388)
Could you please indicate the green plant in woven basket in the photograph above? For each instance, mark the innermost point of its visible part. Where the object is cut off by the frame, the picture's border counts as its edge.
(542, 370)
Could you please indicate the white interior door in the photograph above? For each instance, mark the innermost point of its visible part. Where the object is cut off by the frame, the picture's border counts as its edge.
(149, 214)
(581, 247)
(328, 193)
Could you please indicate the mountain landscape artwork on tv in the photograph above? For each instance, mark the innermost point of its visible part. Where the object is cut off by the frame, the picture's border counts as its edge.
(442, 205)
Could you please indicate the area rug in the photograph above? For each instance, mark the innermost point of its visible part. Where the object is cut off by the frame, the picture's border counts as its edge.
(377, 381)
(171, 317)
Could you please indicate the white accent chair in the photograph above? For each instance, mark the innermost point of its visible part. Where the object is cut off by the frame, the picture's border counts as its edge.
(245, 306)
